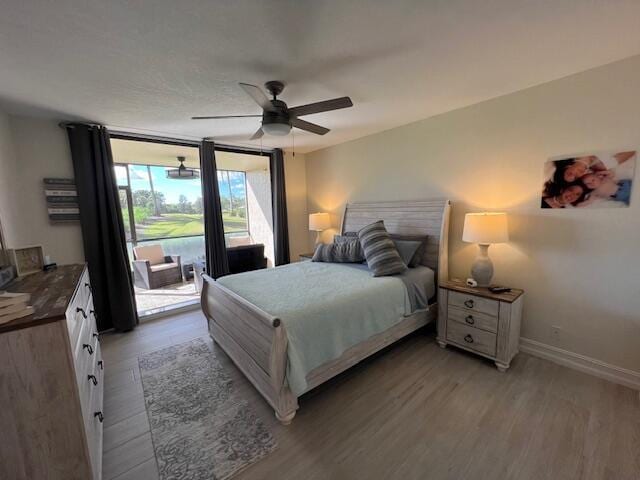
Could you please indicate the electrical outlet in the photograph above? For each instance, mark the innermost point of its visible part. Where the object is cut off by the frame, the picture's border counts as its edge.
(556, 329)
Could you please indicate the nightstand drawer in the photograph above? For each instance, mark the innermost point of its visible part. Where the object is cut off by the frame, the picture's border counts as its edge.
(474, 319)
(478, 340)
(472, 302)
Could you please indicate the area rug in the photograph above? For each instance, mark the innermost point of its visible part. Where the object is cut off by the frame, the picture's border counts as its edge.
(201, 429)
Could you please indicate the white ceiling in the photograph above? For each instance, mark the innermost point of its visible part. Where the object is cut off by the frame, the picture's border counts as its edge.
(152, 65)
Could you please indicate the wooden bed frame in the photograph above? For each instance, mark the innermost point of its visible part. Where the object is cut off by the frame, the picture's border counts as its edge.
(257, 341)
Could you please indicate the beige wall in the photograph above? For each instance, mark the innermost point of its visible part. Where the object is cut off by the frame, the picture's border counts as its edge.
(580, 267)
(296, 186)
(260, 211)
(7, 176)
(41, 150)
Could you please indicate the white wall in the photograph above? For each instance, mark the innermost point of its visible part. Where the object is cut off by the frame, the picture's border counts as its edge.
(260, 210)
(580, 267)
(296, 186)
(40, 149)
(7, 177)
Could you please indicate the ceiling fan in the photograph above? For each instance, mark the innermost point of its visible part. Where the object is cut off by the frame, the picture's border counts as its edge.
(277, 117)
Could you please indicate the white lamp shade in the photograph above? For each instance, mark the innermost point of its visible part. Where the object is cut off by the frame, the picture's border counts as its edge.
(319, 222)
(485, 228)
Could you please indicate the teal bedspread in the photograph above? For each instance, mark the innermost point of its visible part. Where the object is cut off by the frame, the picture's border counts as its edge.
(326, 308)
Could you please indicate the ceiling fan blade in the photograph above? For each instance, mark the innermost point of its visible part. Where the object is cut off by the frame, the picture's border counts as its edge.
(309, 127)
(224, 116)
(259, 133)
(258, 95)
(326, 106)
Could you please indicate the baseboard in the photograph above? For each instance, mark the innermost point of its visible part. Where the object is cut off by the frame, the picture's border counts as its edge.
(597, 368)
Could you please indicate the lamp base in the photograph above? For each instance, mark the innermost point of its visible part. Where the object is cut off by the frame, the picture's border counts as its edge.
(482, 267)
(318, 238)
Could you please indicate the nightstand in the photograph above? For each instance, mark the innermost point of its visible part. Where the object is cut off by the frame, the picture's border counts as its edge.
(304, 257)
(485, 323)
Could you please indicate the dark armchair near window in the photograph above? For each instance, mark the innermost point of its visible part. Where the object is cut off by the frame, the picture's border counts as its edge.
(244, 258)
(153, 269)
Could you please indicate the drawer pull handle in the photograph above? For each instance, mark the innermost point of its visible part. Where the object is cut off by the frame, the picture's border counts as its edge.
(92, 312)
(95, 335)
(99, 415)
(88, 347)
(101, 364)
(468, 303)
(92, 379)
(88, 286)
(81, 310)
(470, 320)
(468, 338)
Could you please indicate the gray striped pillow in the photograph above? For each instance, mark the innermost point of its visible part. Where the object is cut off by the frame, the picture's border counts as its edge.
(380, 251)
(343, 252)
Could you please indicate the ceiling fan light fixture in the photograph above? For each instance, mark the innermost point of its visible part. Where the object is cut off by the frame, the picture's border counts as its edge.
(278, 129)
(182, 172)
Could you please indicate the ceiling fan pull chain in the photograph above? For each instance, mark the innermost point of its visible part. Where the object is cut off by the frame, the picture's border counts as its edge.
(293, 142)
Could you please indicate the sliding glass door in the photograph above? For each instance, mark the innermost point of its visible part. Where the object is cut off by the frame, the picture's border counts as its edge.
(163, 220)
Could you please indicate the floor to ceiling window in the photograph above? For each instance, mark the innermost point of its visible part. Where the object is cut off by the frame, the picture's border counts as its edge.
(163, 215)
(163, 221)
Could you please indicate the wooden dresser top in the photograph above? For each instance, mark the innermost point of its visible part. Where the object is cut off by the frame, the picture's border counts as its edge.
(50, 292)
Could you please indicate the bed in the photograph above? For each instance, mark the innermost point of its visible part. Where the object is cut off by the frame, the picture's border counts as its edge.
(332, 315)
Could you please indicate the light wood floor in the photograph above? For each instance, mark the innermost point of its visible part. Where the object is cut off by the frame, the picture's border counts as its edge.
(414, 411)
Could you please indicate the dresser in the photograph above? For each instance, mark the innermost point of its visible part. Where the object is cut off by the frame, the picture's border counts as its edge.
(51, 373)
(479, 321)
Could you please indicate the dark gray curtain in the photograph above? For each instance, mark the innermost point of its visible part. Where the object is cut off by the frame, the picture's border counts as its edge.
(279, 203)
(102, 227)
(217, 261)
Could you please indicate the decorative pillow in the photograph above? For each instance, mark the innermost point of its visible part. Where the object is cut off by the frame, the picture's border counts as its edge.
(420, 252)
(407, 249)
(344, 238)
(344, 252)
(380, 251)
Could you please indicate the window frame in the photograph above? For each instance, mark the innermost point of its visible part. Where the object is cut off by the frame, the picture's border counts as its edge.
(136, 137)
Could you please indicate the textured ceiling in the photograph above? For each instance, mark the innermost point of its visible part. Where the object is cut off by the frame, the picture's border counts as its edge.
(151, 65)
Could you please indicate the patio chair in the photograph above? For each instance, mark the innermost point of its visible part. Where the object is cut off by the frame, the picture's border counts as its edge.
(153, 269)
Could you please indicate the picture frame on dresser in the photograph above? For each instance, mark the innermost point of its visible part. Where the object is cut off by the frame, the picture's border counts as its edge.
(26, 260)
(480, 321)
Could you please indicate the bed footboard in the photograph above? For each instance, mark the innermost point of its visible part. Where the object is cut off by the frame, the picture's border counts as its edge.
(254, 340)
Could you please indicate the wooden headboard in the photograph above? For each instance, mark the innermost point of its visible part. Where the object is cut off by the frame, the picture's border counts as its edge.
(419, 217)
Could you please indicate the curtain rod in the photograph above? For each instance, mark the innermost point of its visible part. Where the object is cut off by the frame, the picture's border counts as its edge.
(193, 141)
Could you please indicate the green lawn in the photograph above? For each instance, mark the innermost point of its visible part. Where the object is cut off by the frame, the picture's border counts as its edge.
(184, 224)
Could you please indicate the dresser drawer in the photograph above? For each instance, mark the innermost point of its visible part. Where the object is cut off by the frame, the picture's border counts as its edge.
(78, 307)
(86, 359)
(472, 338)
(84, 289)
(92, 415)
(474, 303)
(474, 319)
(94, 435)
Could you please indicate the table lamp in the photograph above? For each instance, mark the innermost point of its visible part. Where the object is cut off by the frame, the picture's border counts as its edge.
(484, 229)
(319, 222)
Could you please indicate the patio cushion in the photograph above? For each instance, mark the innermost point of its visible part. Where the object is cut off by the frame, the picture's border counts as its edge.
(238, 241)
(153, 253)
(163, 266)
